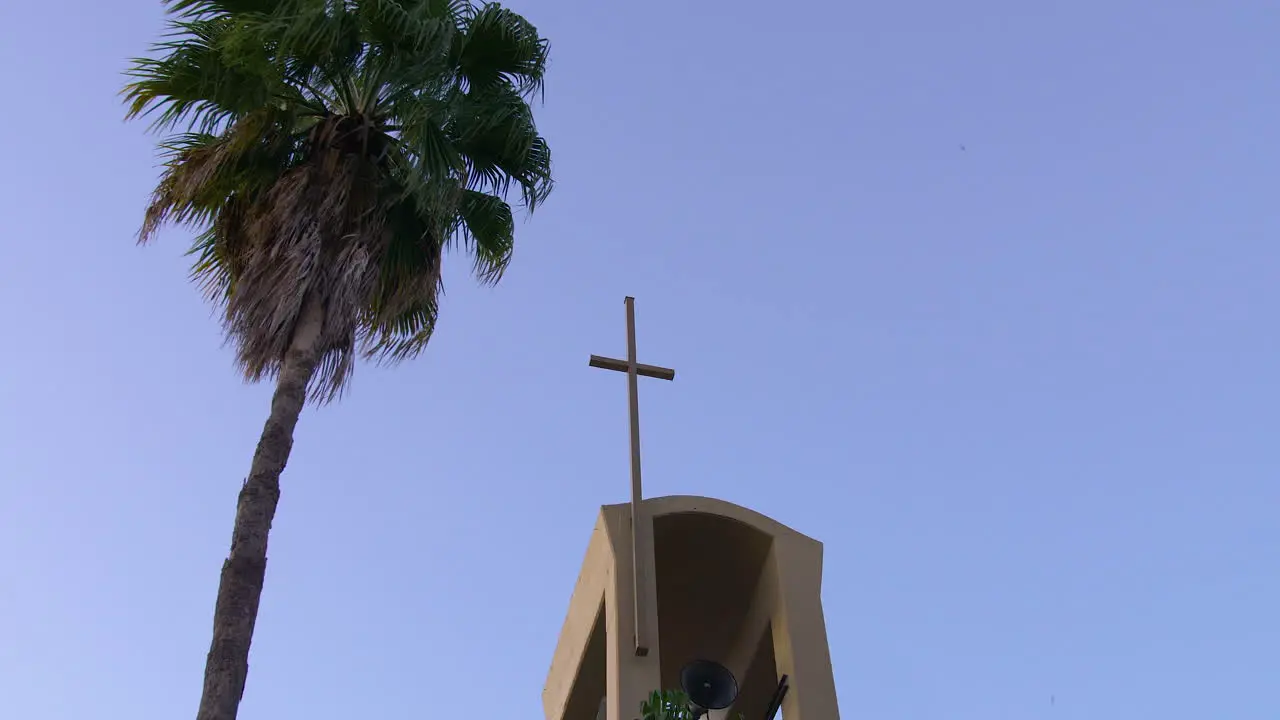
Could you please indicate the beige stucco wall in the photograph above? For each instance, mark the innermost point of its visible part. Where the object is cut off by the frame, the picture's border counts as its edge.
(730, 585)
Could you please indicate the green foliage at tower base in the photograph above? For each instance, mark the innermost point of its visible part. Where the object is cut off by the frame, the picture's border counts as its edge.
(671, 705)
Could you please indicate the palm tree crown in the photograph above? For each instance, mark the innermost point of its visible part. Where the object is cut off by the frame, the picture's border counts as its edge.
(328, 151)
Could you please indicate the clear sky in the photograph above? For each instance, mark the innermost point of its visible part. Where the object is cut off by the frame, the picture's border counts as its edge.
(982, 295)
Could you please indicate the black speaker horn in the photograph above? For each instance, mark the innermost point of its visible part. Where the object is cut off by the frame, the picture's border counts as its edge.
(709, 685)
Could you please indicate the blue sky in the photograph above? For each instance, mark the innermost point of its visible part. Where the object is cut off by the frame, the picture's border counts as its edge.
(1023, 391)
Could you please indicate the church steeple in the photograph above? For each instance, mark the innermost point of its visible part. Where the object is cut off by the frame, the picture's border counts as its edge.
(670, 580)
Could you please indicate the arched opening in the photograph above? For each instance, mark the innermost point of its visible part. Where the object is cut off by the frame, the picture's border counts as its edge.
(708, 570)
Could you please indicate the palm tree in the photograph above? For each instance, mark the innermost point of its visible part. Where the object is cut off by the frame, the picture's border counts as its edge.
(327, 152)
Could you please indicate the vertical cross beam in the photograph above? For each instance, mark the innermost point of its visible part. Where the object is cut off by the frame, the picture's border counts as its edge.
(639, 536)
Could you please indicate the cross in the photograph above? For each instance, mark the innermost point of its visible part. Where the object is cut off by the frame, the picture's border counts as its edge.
(633, 370)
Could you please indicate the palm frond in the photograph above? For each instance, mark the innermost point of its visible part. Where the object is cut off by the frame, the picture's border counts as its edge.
(204, 77)
(209, 8)
(495, 132)
(500, 46)
(402, 313)
(404, 336)
(416, 29)
(487, 227)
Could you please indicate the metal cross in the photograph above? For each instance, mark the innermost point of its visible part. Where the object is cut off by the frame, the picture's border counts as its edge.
(639, 538)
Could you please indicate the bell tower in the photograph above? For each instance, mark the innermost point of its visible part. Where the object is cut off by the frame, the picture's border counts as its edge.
(676, 580)
(733, 587)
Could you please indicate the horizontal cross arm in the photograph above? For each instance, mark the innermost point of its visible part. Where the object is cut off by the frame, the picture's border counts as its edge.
(652, 371)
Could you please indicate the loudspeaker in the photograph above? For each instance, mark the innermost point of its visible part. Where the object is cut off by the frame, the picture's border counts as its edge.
(709, 685)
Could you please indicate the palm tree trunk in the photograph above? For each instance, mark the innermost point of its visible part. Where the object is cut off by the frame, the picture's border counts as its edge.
(243, 573)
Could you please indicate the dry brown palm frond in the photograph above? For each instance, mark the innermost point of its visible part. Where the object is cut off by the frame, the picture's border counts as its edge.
(315, 233)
